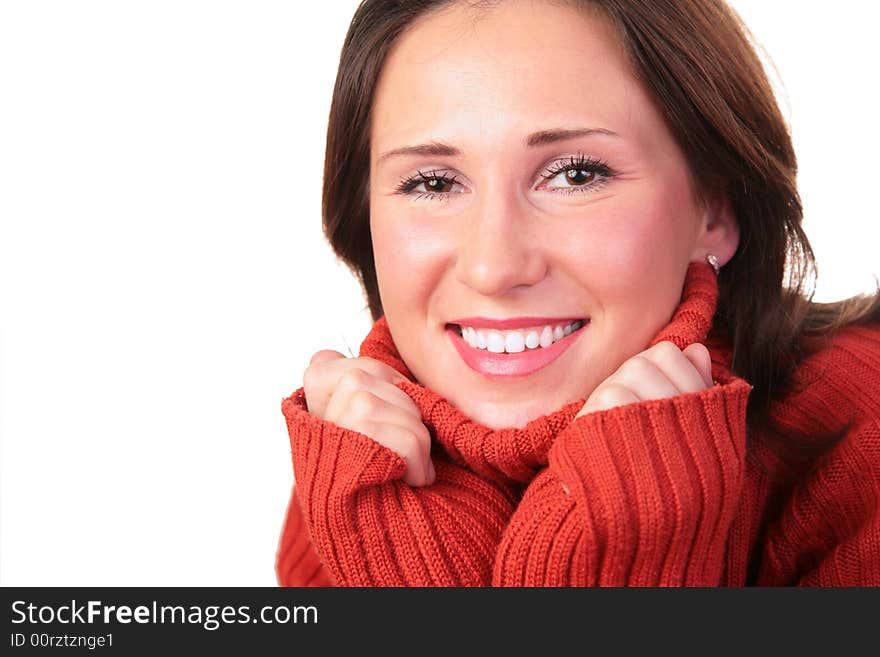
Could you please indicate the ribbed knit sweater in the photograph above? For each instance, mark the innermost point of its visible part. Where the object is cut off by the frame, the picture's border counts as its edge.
(676, 491)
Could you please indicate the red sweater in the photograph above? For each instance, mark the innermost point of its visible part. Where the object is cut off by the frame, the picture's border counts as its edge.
(677, 491)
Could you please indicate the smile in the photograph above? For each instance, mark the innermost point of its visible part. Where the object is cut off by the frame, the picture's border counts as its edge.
(516, 347)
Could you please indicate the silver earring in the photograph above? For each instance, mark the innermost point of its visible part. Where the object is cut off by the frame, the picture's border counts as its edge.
(712, 260)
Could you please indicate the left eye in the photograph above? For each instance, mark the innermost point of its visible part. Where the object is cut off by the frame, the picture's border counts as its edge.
(577, 175)
(437, 185)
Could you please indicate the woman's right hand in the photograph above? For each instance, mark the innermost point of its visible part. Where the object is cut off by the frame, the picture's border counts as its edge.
(361, 394)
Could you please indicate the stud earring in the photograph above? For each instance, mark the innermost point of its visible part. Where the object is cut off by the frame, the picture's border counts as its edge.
(712, 260)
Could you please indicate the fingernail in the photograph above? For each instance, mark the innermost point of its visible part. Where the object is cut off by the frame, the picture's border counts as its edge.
(432, 474)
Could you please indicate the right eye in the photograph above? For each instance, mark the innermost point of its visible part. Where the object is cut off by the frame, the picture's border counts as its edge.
(431, 185)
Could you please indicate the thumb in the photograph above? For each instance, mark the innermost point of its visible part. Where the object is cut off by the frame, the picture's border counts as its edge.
(325, 355)
(699, 357)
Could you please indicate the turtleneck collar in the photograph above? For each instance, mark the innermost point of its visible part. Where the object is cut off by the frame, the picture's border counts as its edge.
(515, 455)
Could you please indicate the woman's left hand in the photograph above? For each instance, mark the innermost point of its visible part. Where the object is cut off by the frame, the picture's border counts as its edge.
(662, 371)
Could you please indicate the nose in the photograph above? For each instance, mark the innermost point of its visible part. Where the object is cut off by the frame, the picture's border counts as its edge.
(500, 247)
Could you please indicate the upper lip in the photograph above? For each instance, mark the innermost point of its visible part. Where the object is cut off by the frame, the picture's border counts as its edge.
(513, 322)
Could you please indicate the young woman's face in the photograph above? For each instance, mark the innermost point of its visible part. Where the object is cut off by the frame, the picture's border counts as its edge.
(532, 217)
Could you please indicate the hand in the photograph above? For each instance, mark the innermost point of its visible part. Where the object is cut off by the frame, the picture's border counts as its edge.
(361, 394)
(656, 373)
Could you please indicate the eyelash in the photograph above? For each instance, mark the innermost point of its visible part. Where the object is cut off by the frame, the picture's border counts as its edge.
(408, 184)
(575, 163)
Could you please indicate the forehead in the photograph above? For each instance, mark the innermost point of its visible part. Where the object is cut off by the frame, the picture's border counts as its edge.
(507, 69)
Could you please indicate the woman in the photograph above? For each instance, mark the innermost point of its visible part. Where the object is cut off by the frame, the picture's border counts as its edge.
(572, 221)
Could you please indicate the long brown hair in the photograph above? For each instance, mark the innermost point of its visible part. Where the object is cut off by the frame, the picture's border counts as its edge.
(696, 61)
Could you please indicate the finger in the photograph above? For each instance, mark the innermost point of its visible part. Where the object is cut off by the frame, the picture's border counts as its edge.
(397, 397)
(647, 381)
(325, 355)
(364, 412)
(324, 373)
(700, 358)
(407, 444)
(356, 379)
(370, 365)
(676, 367)
(318, 379)
(608, 395)
(355, 408)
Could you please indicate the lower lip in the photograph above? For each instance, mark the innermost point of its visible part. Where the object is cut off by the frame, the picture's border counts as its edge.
(522, 364)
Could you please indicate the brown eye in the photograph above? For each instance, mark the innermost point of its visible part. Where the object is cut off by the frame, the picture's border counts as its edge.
(430, 185)
(441, 185)
(579, 176)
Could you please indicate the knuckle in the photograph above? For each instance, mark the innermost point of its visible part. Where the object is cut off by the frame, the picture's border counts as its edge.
(311, 377)
(308, 376)
(325, 356)
(363, 403)
(638, 365)
(409, 407)
(393, 376)
(353, 378)
(381, 370)
(666, 349)
(614, 392)
(319, 356)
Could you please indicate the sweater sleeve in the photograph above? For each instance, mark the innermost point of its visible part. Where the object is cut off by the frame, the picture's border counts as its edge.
(828, 533)
(637, 495)
(369, 528)
(296, 562)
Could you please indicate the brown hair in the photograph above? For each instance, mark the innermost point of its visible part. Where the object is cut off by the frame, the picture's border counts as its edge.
(695, 59)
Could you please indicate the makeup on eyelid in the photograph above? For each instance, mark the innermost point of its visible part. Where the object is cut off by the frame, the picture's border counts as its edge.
(598, 172)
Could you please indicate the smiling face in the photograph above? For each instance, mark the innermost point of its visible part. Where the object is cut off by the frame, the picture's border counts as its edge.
(532, 217)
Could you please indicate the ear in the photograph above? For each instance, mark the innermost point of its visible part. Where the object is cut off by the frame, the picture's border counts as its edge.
(719, 232)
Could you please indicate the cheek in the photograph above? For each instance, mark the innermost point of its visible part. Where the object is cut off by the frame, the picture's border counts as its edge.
(632, 251)
(409, 252)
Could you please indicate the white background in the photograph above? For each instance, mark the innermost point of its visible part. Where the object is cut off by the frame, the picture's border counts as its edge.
(164, 278)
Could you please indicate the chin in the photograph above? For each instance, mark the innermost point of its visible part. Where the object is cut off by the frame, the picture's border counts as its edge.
(510, 415)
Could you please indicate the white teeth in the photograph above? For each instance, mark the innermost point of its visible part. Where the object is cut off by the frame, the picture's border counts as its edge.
(514, 342)
(546, 337)
(532, 340)
(495, 342)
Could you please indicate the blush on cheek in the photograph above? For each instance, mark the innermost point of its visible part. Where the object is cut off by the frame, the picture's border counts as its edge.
(410, 257)
(618, 253)
(650, 236)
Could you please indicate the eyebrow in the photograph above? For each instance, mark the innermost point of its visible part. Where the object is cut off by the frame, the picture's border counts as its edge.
(540, 138)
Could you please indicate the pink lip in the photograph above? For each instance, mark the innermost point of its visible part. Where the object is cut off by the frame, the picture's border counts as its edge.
(513, 322)
(504, 365)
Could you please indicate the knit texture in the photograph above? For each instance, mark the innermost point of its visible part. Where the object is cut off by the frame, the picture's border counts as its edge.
(655, 493)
